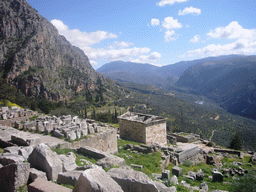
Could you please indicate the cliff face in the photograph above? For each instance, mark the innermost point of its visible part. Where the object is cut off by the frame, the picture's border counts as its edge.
(35, 58)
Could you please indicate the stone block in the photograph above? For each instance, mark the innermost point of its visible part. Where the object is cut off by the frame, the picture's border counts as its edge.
(69, 178)
(217, 176)
(165, 174)
(71, 135)
(49, 161)
(25, 151)
(95, 180)
(58, 133)
(90, 129)
(132, 181)
(13, 176)
(84, 131)
(110, 161)
(8, 158)
(34, 174)
(174, 180)
(176, 171)
(13, 150)
(25, 139)
(200, 175)
(41, 185)
(68, 162)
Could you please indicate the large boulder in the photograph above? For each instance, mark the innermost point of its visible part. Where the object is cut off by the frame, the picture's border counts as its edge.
(13, 176)
(96, 180)
(42, 185)
(49, 161)
(200, 175)
(132, 181)
(13, 150)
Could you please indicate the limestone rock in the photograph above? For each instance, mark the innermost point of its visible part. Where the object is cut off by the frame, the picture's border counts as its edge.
(176, 171)
(42, 185)
(68, 161)
(132, 181)
(34, 174)
(96, 180)
(13, 150)
(203, 187)
(13, 176)
(253, 159)
(110, 161)
(174, 180)
(162, 188)
(69, 178)
(217, 177)
(25, 139)
(49, 161)
(8, 158)
(25, 151)
(200, 175)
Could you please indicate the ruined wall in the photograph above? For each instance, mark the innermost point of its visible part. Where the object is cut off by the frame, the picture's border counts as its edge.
(156, 134)
(184, 155)
(133, 131)
(105, 141)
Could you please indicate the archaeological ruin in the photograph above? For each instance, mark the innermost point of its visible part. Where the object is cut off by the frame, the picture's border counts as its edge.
(143, 128)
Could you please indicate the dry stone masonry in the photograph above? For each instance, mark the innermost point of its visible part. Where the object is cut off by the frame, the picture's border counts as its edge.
(143, 128)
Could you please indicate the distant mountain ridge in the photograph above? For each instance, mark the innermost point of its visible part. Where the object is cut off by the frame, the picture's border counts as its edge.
(230, 80)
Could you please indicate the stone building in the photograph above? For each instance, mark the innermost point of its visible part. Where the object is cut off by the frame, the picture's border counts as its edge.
(143, 128)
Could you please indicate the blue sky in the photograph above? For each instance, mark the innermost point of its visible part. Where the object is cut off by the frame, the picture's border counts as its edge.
(159, 32)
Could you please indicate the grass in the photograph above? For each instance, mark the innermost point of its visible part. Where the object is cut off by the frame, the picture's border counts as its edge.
(79, 156)
(150, 162)
(1, 150)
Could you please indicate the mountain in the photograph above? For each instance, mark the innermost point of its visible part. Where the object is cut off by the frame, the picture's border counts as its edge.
(164, 76)
(230, 82)
(39, 61)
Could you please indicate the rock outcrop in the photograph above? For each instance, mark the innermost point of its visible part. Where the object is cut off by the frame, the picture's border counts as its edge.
(38, 60)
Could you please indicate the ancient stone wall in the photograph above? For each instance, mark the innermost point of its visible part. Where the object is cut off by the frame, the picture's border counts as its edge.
(156, 134)
(131, 130)
(184, 155)
(105, 141)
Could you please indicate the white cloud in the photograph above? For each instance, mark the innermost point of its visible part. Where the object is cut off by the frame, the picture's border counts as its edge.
(116, 51)
(195, 39)
(123, 44)
(245, 42)
(80, 38)
(154, 56)
(190, 10)
(155, 21)
(170, 36)
(170, 2)
(170, 23)
(232, 31)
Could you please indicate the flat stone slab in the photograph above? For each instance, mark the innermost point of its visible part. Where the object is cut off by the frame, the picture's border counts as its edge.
(69, 178)
(42, 185)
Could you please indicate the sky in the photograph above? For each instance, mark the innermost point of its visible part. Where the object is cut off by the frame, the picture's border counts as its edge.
(159, 32)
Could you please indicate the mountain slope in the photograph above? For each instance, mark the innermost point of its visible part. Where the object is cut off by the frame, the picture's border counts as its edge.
(230, 82)
(39, 61)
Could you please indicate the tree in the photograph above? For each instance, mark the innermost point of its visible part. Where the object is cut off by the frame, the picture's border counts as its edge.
(236, 142)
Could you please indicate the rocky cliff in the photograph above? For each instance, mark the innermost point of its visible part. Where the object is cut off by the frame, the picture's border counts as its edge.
(36, 59)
